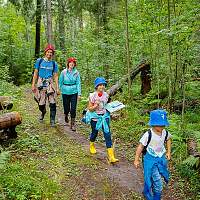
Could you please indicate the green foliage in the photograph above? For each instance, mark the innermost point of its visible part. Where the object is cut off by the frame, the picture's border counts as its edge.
(22, 183)
(186, 171)
(192, 162)
(4, 73)
(4, 157)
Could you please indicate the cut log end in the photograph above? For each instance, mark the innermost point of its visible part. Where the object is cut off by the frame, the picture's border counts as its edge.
(8, 120)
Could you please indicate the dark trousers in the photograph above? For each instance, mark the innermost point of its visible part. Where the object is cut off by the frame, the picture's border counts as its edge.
(94, 134)
(52, 107)
(69, 104)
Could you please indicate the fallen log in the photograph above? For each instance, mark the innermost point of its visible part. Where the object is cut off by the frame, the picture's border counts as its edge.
(5, 103)
(10, 119)
(8, 123)
(143, 65)
(191, 104)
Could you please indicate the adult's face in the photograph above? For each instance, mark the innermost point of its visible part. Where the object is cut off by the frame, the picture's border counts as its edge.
(49, 54)
(71, 65)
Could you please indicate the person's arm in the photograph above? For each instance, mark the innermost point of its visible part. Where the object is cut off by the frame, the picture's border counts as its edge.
(137, 155)
(35, 75)
(78, 82)
(91, 106)
(168, 153)
(61, 79)
(55, 76)
(56, 82)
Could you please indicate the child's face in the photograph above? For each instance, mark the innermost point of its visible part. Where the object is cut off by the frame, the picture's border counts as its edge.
(158, 129)
(100, 88)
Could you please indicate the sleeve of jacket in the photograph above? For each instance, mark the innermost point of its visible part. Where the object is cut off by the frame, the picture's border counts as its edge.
(61, 79)
(78, 83)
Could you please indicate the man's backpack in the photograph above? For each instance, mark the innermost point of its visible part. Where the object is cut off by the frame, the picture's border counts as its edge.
(149, 140)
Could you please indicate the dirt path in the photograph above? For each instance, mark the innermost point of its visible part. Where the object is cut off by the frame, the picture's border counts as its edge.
(123, 173)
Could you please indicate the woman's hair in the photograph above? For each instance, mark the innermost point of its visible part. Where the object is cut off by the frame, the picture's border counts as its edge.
(69, 60)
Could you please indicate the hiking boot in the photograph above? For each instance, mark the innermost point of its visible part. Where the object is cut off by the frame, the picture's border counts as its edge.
(72, 125)
(52, 123)
(52, 114)
(111, 157)
(41, 117)
(66, 119)
(42, 108)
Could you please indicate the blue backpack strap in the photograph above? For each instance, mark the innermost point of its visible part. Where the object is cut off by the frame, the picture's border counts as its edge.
(54, 66)
(40, 61)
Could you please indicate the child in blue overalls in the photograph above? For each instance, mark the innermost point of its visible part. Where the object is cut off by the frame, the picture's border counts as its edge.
(100, 117)
(156, 157)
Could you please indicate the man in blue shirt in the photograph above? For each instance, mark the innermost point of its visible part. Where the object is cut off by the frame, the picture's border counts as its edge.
(45, 71)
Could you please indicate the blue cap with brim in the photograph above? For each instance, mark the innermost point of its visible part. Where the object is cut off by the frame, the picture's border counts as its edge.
(99, 80)
(158, 118)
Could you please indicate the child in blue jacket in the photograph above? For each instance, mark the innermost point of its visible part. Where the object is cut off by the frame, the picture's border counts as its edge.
(156, 157)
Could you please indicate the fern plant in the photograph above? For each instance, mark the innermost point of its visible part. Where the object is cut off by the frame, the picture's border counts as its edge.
(192, 162)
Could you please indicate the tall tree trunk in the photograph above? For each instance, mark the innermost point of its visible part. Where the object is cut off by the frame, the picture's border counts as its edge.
(127, 48)
(183, 95)
(158, 52)
(105, 32)
(49, 22)
(37, 28)
(61, 24)
(170, 75)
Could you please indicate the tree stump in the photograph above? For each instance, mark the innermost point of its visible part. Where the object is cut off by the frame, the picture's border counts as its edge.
(146, 79)
(5, 103)
(192, 147)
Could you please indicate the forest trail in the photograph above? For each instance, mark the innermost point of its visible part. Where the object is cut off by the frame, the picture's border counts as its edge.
(123, 172)
(121, 180)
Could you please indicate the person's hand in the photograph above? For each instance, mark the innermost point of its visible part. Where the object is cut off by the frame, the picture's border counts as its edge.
(58, 92)
(96, 105)
(79, 97)
(168, 156)
(33, 88)
(136, 163)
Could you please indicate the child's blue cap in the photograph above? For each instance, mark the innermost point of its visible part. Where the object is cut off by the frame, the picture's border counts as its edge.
(158, 118)
(99, 80)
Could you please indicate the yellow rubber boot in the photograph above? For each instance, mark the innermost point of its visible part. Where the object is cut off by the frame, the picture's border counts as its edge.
(111, 156)
(92, 148)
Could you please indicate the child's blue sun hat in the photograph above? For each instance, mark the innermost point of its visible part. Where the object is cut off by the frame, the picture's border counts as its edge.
(99, 80)
(158, 118)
